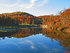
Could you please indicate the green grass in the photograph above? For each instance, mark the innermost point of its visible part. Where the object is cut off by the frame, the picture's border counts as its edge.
(24, 24)
(29, 24)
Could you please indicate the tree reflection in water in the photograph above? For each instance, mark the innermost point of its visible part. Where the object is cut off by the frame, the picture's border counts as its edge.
(62, 38)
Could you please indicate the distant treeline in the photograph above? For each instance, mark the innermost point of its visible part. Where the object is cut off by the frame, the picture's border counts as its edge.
(58, 22)
(7, 21)
(16, 18)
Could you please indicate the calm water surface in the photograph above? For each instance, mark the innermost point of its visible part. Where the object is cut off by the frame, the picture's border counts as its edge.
(34, 40)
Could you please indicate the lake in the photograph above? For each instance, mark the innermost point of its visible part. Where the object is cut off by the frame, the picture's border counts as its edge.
(34, 40)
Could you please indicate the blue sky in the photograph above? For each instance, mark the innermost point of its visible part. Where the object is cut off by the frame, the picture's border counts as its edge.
(35, 7)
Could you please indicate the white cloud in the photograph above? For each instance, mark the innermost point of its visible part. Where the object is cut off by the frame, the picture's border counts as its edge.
(43, 2)
(10, 5)
(30, 5)
(25, 5)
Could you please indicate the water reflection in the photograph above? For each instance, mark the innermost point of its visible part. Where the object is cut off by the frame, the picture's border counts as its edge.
(25, 32)
(35, 40)
(3, 35)
(62, 38)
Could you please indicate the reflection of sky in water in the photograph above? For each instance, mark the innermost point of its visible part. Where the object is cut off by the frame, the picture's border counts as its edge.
(32, 44)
